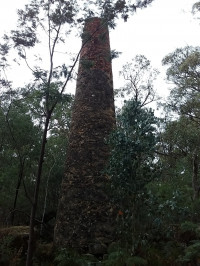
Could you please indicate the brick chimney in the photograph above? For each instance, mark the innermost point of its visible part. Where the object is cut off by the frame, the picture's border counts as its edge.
(85, 214)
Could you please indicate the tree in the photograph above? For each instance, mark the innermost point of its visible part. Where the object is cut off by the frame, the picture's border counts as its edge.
(19, 145)
(54, 18)
(139, 77)
(20, 137)
(132, 163)
(181, 146)
(183, 72)
(196, 8)
(181, 151)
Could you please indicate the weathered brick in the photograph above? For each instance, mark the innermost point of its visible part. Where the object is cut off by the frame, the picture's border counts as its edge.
(85, 214)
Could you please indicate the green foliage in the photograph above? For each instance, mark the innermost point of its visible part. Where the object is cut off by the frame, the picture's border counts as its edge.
(136, 261)
(189, 226)
(65, 257)
(20, 140)
(192, 254)
(119, 256)
(180, 152)
(132, 158)
(112, 9)
(172, 200)
(21, 115)
(177, 142)
(183, 68)
(163, 253)
(174, 209)
(114, 54)
(6, 250)
(131, 168)
(172, 214)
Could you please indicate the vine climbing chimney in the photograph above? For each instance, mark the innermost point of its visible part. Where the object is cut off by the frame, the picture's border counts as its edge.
(85, 214)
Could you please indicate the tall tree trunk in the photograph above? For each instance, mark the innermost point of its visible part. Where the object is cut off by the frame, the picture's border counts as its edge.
(195, 181)
(21, 163)
(29, 259)
(45, 197)
(21, 171)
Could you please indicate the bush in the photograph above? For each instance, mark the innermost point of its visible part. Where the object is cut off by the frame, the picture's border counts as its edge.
(66, 257)
(192, 254)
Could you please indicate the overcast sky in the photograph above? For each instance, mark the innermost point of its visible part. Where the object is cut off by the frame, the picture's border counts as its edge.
(153, 32)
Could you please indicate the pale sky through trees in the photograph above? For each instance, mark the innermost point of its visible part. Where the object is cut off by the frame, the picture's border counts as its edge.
(153, 32)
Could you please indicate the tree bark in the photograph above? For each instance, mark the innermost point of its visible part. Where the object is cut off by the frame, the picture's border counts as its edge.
(21, 171)
(29, 259)
(195, 181)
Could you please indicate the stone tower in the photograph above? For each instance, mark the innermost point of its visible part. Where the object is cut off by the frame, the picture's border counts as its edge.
(84, 219)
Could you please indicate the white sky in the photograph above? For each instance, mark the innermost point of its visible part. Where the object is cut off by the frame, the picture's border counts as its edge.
(153, 32)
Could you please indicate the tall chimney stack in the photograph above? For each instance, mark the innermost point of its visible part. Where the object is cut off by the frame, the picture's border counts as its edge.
(85, 214)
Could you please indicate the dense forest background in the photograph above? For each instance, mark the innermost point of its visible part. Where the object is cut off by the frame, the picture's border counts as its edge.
(154, 163)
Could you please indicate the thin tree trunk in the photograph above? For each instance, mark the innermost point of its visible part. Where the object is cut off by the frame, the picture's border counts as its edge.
(21, 167)
(195, 182)
(45, 198)
(17, 192)
(29, 259)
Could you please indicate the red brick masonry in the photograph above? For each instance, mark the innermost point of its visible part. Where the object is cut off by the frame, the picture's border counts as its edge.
(85, 214)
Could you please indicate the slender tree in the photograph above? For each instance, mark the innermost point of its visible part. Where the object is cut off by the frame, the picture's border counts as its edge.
(183, 71)
(139, 76)
(176, 143)
(20, 141)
